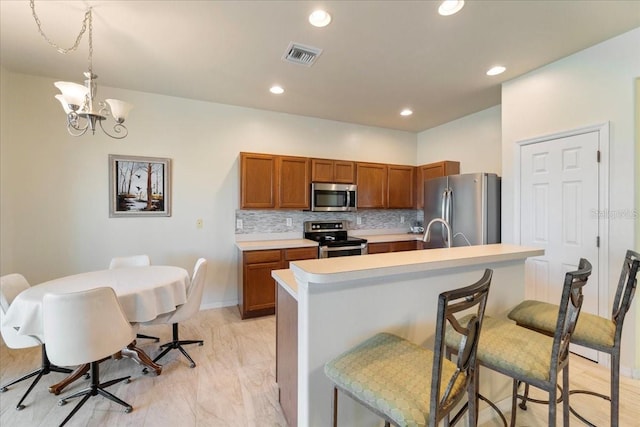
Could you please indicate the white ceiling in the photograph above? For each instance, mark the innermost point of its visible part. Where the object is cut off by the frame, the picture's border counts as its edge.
(378, 56)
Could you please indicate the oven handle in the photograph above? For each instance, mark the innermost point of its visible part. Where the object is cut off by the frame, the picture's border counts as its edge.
(363, 248)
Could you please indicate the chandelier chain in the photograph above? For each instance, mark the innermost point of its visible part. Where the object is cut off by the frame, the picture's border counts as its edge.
(85, 21)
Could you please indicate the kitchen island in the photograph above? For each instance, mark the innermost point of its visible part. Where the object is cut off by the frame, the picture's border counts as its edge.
(339, 302)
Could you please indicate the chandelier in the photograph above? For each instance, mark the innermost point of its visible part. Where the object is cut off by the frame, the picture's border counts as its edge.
(77, 100)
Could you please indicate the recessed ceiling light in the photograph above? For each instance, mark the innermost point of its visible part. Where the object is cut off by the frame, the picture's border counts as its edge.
(494, 71)
(276, 90)
(319, 18)
(406, 112)
(449, 7)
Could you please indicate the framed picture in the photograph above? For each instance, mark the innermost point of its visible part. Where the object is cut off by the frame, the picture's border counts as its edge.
(139, 186)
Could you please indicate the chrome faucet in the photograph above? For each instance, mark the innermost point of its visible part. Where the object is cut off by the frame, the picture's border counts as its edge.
(427, 232)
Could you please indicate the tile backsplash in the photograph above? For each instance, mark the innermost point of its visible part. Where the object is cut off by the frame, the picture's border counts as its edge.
(276, 221)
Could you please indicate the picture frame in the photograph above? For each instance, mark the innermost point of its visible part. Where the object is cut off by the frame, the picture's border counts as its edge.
(139, 186)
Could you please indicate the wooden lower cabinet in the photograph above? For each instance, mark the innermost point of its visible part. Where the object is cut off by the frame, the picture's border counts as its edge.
(399, 246)
(256, 287)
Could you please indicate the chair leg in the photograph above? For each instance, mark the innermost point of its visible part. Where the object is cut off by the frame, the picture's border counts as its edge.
(565, 395)
(147, 337)
(553, 403)
(75, 409)
(177, 344)
(525, 397)
(473, 399)
(615, 388)
(334, 408)
(96, 388)
(46, 368)
(514, 401)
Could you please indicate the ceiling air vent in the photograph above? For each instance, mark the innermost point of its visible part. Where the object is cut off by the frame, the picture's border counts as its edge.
(300, 54)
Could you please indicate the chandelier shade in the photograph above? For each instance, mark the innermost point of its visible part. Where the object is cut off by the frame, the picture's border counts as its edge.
(73, 94)
(119, 109)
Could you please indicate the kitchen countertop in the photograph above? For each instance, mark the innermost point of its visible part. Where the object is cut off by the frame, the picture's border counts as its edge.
(340, 269)
(257, 245)
(383, 238)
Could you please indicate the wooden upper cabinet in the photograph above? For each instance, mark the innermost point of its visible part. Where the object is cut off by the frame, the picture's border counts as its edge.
(274, 182)
(372, 185)
(257, 181)
(433, 170)
(338, 171)
(293, 182)
(401, 187)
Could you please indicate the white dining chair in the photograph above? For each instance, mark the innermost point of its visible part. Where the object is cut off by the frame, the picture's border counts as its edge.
(86, 327)
(10, 286)
(133, 261)
(184, 312)
(130, 261)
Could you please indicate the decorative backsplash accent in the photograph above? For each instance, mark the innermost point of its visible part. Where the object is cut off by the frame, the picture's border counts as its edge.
(275, 221)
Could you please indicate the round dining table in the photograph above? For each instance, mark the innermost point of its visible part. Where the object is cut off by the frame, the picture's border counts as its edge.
(144, 293)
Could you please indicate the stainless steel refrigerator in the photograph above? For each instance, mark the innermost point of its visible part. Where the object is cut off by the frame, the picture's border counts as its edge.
(470, 203)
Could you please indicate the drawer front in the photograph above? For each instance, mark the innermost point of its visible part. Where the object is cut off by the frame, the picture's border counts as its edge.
(254, 257)
(294, 254)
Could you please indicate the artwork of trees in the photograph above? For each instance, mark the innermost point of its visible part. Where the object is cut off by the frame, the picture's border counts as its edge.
(140, 186)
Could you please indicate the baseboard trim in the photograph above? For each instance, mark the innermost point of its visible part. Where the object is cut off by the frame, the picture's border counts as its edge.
(218, 304)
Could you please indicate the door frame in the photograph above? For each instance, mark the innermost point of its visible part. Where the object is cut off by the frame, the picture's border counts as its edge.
(602, 211)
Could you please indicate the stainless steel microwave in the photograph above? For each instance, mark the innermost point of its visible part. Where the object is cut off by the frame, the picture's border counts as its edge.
(333, 197)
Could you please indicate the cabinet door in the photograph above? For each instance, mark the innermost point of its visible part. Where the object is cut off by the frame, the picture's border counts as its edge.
(343, 172)
(259, 287)
(401, 187)
(433, 170)
(372, 185)
(322, 170)
(257, 181)
(294, 182)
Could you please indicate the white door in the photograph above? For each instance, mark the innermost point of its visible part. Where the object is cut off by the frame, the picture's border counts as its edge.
(558, 212)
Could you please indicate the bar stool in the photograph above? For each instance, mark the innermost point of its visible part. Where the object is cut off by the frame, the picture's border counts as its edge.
(592, 331)
(528, 356)
(409, 385)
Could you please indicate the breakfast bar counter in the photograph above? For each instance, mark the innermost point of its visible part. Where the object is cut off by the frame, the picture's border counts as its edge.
(339, 302)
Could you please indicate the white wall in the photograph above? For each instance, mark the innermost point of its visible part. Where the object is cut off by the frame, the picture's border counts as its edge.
(54, 189)
(474, 140)
(590, 87)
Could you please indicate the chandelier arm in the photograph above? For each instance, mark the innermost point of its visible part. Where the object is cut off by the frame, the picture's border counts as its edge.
(72, 125)
(87, 18)
(117, 128)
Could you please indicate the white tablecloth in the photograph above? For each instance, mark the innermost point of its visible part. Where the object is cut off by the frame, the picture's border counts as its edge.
(144, 294)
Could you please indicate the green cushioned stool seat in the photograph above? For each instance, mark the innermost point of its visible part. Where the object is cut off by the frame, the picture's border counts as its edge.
(392, 375)
(591, 330)
(507, 346)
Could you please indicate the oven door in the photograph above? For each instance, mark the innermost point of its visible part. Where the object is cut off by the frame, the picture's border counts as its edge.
(332, 252)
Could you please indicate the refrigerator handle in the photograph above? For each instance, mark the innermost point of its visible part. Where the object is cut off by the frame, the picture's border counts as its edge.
(446, 212)
(443, 206)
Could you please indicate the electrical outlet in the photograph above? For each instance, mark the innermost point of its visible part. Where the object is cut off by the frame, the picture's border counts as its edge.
(239, 224)
(401, 219)
(199, 223)
(289, 222)
(358, 220)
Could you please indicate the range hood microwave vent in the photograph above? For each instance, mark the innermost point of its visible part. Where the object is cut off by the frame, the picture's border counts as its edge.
(300, 54)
